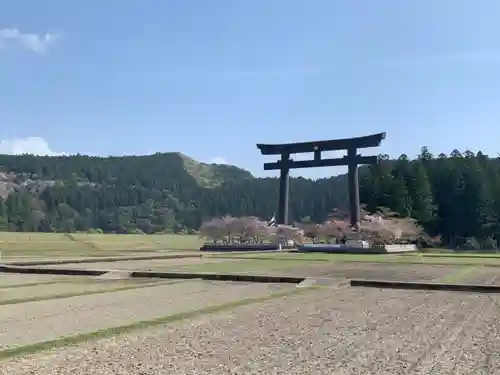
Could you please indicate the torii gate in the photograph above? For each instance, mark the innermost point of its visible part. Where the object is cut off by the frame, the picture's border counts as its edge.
(352, 160)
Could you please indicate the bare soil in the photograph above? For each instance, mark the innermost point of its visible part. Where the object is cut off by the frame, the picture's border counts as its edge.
(8, 279)
(328, 331)
(48, 290)
(32, 322)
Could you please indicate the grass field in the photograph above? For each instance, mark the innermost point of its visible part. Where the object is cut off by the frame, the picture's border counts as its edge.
(461, 254)
(81, 244)
(414, 258)
(19, 246)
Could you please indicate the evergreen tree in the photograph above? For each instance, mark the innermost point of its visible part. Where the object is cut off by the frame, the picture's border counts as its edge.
(420, 191)
(4, 220)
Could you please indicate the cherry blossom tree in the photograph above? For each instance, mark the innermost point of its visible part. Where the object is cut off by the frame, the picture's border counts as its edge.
(311, 230)
(334, 230)
(286, 233)
(389, 229)
(217, 229)
(380, 228)
(229, 230)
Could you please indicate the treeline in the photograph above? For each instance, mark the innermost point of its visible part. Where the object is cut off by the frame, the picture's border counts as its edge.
(150, 194)
(455, 196)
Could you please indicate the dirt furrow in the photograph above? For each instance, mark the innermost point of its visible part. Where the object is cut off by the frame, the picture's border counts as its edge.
(440, 357)
(33, 322)
(401, 316)
(389, 340)
(307, 334)
(475, 351)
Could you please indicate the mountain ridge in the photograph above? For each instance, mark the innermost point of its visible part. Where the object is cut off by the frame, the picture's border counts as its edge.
(150, 193)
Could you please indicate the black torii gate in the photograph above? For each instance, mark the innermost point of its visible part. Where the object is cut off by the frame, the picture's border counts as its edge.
(352, 160)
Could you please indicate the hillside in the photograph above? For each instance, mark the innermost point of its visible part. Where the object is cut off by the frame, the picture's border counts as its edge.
(149, 170)
(160, 192)
(213, 175)
(456, 196)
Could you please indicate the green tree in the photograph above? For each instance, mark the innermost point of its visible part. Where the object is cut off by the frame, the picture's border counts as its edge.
(420, 191)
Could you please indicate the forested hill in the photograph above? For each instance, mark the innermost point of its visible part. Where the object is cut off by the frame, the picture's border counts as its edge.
(457, 195)
(154, 193)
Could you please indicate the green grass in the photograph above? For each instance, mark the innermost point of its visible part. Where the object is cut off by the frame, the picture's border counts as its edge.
(276, 255)
(458, 275)
(25, 255)
(82, 244)
(318, 257)
(113, 331)
(414, 258)
(303, 256)
(241, 266)
(462, 261)
(462, 254)
(407, 258)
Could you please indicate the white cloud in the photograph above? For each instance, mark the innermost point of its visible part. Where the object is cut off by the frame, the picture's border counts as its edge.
(29, 145)
(218, 160)
(37, 43)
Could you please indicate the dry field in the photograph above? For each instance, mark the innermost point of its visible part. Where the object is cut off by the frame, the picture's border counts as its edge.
(94, 325)
(482, 275)
(305, 268)
(40, 245)
(56, 318)
(278, 267)
(12, 280)
(328, 330)
(151, 264)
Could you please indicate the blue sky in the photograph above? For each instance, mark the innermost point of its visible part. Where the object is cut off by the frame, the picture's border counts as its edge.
(213, 78)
